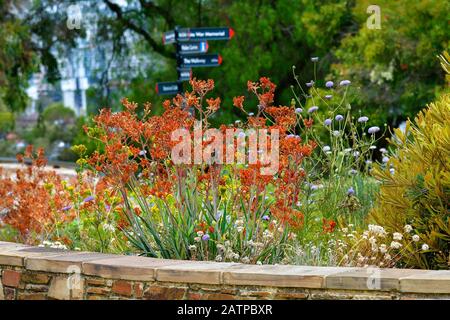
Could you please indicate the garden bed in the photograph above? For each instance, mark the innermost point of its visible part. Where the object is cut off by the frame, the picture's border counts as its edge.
(29, 272)
(311, 192)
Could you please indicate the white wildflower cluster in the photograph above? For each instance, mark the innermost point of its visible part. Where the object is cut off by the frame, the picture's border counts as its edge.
(253, 245)
(377, 247)
(397, 236)
(395, 245)
(379, 230)
(316, 254)
(198, 238)
(108, 227)
(54, 245)
(361, 259)
(226, 252)
(408, 228)
(236, 248)
(239, 224)
(267, 235)
(245, 260)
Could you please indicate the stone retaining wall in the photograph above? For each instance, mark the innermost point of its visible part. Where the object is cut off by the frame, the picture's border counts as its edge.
(44, 273)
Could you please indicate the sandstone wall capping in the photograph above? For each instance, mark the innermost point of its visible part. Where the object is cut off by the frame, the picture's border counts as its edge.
(28, 272)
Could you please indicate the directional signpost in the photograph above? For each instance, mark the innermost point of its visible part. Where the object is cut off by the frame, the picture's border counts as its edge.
(168, 87)
(200, 60)
(184, 74)
(191, 47)
(198, 34)
(169, 37)
(191, 34)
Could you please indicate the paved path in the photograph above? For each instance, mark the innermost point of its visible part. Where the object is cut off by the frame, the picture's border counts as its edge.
(11, 168)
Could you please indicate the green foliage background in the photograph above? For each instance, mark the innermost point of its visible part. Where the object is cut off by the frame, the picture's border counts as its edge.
(396, 64)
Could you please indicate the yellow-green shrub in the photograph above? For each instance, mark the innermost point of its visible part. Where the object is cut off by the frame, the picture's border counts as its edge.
(417, 193)
(6, 121)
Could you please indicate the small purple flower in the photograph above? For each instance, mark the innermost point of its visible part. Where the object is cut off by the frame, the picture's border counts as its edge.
(344, 83)
(310, 84)
(107, 207)
(339, 117)
(329, 84)
(392, 170)
(90, 198)
(298, 110)
(266, 218)
(66, 208)
(142, 152)
(327, 122)
(353, 172)
(350, 191)
(373, 130)
(315, 59)
(363, 119)
(206, 237)
(328, 96)
(385, 159)
(241, 134)
(219, 214)
(313, 187)
(313, 109)
(383, 150)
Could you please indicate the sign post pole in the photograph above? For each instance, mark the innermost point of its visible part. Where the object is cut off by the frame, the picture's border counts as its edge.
(191, 44)
(177, 55)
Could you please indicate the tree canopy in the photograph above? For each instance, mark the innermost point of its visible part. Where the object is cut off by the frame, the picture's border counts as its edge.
(31, 34)
(396, 64)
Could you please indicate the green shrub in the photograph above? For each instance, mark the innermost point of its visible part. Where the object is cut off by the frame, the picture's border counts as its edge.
(80, 137)
(67, 154)
(416, 184)
(57, 111)
(6, 121)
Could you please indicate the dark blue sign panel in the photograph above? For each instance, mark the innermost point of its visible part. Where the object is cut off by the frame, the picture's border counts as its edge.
(184, 74)
(193, 47)
(169, 37)
(198, 34)
(168, 88)
(203, 60)
(191, 34)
